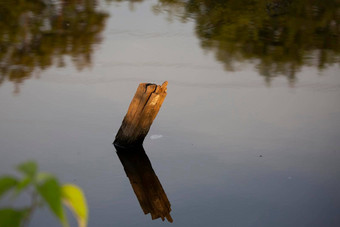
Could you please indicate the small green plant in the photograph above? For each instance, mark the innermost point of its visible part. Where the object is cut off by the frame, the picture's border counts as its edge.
(44, 189)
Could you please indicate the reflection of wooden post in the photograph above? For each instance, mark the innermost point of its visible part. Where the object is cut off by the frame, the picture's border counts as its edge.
(145, 183)
(142, 111)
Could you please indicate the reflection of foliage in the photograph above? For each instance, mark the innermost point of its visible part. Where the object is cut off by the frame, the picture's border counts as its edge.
(281, 35)
(132, 3)
(173, 8)
(38, 34)
(45, 190)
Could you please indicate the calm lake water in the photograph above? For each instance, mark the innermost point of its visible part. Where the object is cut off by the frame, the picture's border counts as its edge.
(248, 135)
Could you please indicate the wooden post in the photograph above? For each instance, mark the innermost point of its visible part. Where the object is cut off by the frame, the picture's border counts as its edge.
(142, 111)
(148, 189)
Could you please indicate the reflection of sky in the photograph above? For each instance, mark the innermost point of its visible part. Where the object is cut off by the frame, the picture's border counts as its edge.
(215, 125)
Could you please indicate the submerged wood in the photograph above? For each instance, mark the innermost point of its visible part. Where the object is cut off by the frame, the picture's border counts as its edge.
(148, 189)
(142, 111)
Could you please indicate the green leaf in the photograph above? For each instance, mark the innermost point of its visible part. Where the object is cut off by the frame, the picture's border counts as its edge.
(7, 183)
(24, 183)
(43, 176)
(74, 198)
(11, 218)
(50, 191)
(28, 168)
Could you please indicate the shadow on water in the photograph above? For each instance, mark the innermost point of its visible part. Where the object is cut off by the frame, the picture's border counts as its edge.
(145, 183)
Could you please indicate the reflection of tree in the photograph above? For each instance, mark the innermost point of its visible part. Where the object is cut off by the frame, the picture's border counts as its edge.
(174, 9)
(280, 36)
(38, 34)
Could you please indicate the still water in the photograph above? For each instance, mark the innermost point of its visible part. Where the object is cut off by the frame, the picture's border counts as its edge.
(248, 135)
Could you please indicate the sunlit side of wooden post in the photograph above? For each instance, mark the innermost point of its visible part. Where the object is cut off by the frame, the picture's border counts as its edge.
(142, 111)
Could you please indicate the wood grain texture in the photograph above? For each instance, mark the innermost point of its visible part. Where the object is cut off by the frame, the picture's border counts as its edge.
(142, 111)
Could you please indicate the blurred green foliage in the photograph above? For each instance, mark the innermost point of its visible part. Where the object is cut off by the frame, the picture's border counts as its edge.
(38, 34)
(44, 189)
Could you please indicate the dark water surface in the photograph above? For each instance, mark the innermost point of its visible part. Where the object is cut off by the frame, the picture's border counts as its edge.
(248, 135)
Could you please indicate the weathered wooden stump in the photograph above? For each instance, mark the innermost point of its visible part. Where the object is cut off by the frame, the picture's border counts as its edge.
(142, 111)
(148, 189)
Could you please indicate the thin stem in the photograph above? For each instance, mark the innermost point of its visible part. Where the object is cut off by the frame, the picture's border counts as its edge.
(34, 205)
